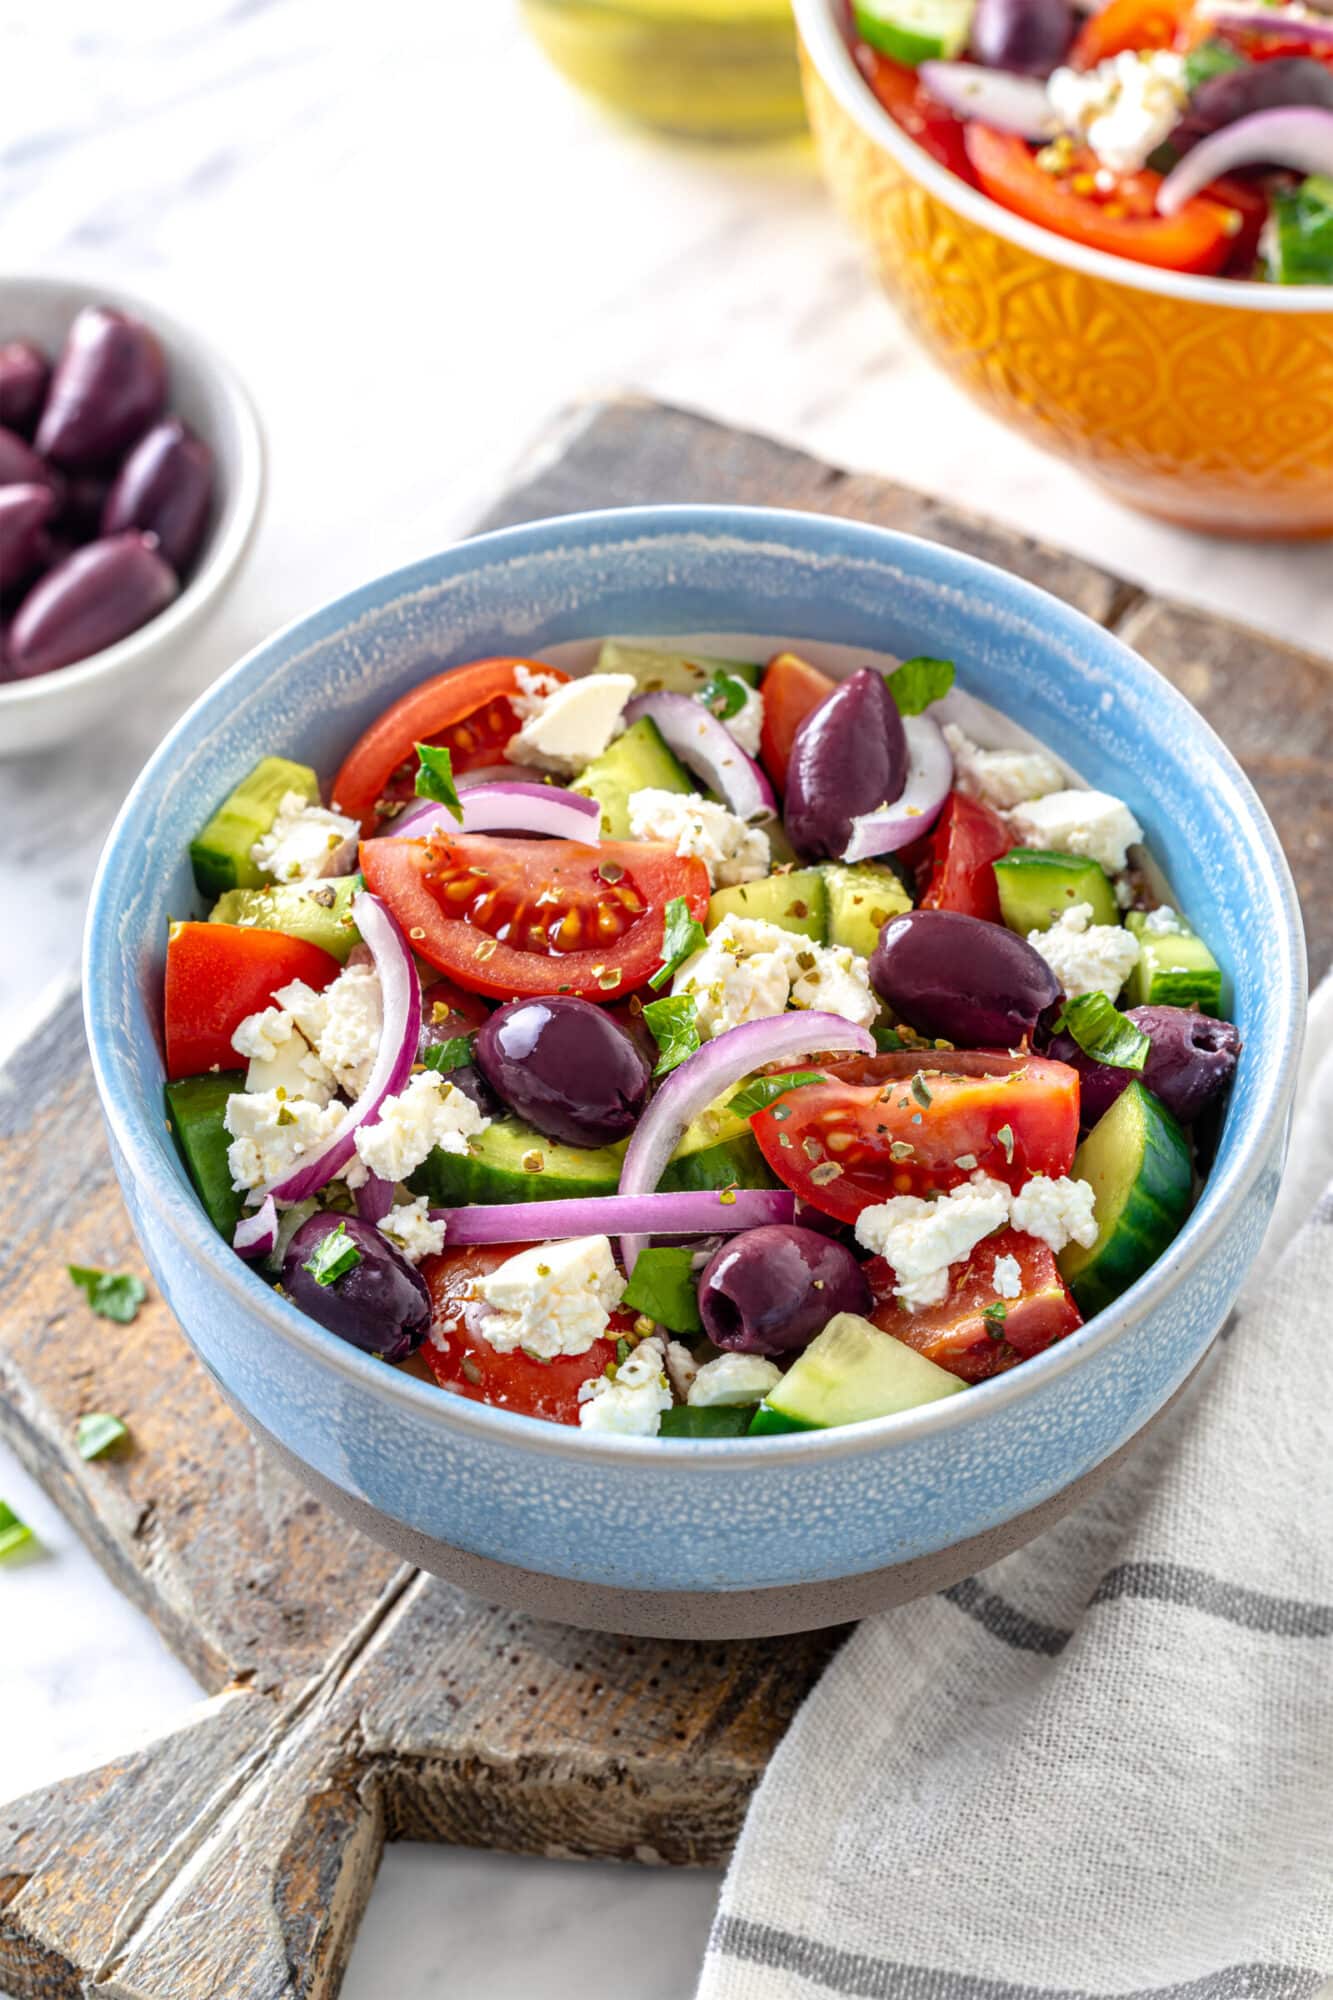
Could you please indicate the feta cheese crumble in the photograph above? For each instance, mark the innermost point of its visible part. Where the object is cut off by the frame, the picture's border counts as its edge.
(430, 1112)
(565, 730)
(1056, 1211)
(553, 1299)
(748, 720)
(730, 850)
(681, 1368)
(344, 1023)
(1087, 957)
(410, 1229)
(280, 1057)
(304, 841)
(270, 1132)
(750, 969)
(837, 982)
(732, 1381)
(1163, 922)
(631, 1405)
(1072, 822)
(1001, 778)
(921, 1239)
(1125, 107)
(1007, 1278)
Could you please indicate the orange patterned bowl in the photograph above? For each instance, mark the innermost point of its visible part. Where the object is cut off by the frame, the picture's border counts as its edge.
(1205, 400)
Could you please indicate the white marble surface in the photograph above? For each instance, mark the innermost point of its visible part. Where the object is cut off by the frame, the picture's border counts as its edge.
(416, 244)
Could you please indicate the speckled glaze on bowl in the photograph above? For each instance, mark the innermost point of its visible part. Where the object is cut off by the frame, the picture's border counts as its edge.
(674, 1536)
(1204, 400)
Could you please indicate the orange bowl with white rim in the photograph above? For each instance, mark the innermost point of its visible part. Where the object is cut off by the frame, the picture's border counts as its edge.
(1208, 401)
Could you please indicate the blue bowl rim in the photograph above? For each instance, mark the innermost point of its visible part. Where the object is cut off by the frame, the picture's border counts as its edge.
(130, 1120)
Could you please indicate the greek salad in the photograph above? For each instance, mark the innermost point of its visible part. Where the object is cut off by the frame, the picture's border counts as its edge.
(688, 1047)
(1194, 135)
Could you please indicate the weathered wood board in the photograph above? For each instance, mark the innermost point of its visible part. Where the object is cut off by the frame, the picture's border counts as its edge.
(352, 1701)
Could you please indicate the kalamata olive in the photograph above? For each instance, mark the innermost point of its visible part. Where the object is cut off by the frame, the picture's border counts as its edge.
(164, 487)
(1031, 36)
(24, 512)
(1190, 1063)
(975, 984)
(1238, 93)
(564, 1067)
(849, 756)
(381, 1305)
(109, 385)
(24, 374)
(97, 595)
(770, 1291)
(20, 464)
(81, 510)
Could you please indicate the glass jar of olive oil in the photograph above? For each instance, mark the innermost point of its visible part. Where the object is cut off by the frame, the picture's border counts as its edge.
(707, 68)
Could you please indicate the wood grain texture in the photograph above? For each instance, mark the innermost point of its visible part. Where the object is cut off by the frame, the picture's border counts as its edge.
(355, 1701)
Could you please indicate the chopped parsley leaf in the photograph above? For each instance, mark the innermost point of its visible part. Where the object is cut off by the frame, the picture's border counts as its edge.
(993, 1317)
(682, 936)
(114, 1295)
(1103, 1032)
(916, 683)
(674, 1024)
(97, 1433)
(725, 695)
(663, 1287)
(452, 1054)
(335, 1255)
(13, 1532)
(760, 1091)
(435, 778)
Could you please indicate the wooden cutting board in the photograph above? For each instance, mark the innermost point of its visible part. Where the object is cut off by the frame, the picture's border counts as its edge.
(351, 1701)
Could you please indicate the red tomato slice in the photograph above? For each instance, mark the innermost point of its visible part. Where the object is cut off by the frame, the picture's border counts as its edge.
(791, 687)
(954, 1335)
(513, 917)
(219, 973)
(909, 1124)
(469, 710)
(460, 1359)
(909, 104)
(1123, 222)
(1135, 24)
(957, 872)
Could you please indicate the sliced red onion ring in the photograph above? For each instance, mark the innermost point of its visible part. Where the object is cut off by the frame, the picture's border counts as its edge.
(374, 1198)
(1008, 103)
(400, 992)
(929, 776)
(257, 1234)
(704, 1076)
(508, 806)
(1296, 135)
(1266, 20)
(707, 747)
(701, 1213)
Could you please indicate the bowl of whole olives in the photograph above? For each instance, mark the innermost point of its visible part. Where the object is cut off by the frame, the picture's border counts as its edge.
(131, 477)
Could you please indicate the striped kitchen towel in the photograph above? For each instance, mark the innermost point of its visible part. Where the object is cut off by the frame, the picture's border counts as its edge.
(1104, 1767)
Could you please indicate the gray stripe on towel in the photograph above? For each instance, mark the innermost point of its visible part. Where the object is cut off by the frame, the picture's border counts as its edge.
(1005, 1621)
(1172, 1583)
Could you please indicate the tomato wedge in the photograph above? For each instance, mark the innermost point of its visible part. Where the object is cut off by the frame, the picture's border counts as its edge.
(460, 1359)
(910, 105)
(791, 687)
(1123, 222)
(1135, 24)
(219, 973)
(954, 1335)
(908, 1124)
(515, 917)
(957, 872)
(469, 710)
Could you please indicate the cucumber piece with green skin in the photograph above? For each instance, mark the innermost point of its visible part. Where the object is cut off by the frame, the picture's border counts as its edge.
(797, 901)
(1038, 885)
(637, 761)
(734, 1162)
(717, 1422)
(862, 896)
(511, 1162)
(674, 673)
(319, 912)
(915, 31)
(849, 1373)
(195, 1109)
(1137, 1161)
(220, 854)
(1175, 969)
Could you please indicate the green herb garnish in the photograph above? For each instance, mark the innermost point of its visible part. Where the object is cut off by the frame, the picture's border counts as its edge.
(674, 1025)
(920, 1092)
(1301, 234)
(1005, 1137)
(993, 1318)
(1212, 59)
(724, 695)
(114, 1295)
(335, 1255)
(435, 778)
(887, 1040)
(13, 1532)
(663, 1287)
(452, 1054)
(97, 1433)
(916, 683)
(1103, 1032)
(760, 1091)
(682, 936)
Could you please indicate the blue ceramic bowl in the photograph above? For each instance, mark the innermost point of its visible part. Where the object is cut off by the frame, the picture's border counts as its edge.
(681, 1537)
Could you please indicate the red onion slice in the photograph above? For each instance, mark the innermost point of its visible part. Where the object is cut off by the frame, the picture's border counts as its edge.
(400, 992)
(257, 1235)
(929, 776)
(1266, 20)
(700, 1213)
(704, 1076)
(707, 747)
(1008, 103)
(1296, 135)
(504, 807)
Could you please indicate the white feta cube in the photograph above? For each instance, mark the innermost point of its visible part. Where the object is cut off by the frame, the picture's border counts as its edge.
(280, 1057)
(305, 841)
(1125, 107)
(351, 1021)
(921, 1239)
(733, 1380)
(1007, 1278)
(556, 1298)
(429, 1112)
(567, 729)
(631, 1403)
(409, 1228)
(1087, 957)
(730, 850)
(271, 1132)
(1072, 822)
(743, 973)
(833, 979)
(1001, 778)
(1056, 1211)
(1163, 922)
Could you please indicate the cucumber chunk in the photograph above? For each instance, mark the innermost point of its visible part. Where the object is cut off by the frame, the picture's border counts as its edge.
(674, 673)
(319, 912)
(716, 1150)
(914, 31)
(220, 855)
(862, 896)
(1175, 969)
(849, 1373)
(1037, 886)
(717, 1422)
(1137, 1160)
(637, 761)
(195, 1108)
(794, 902)
(511, 1162)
